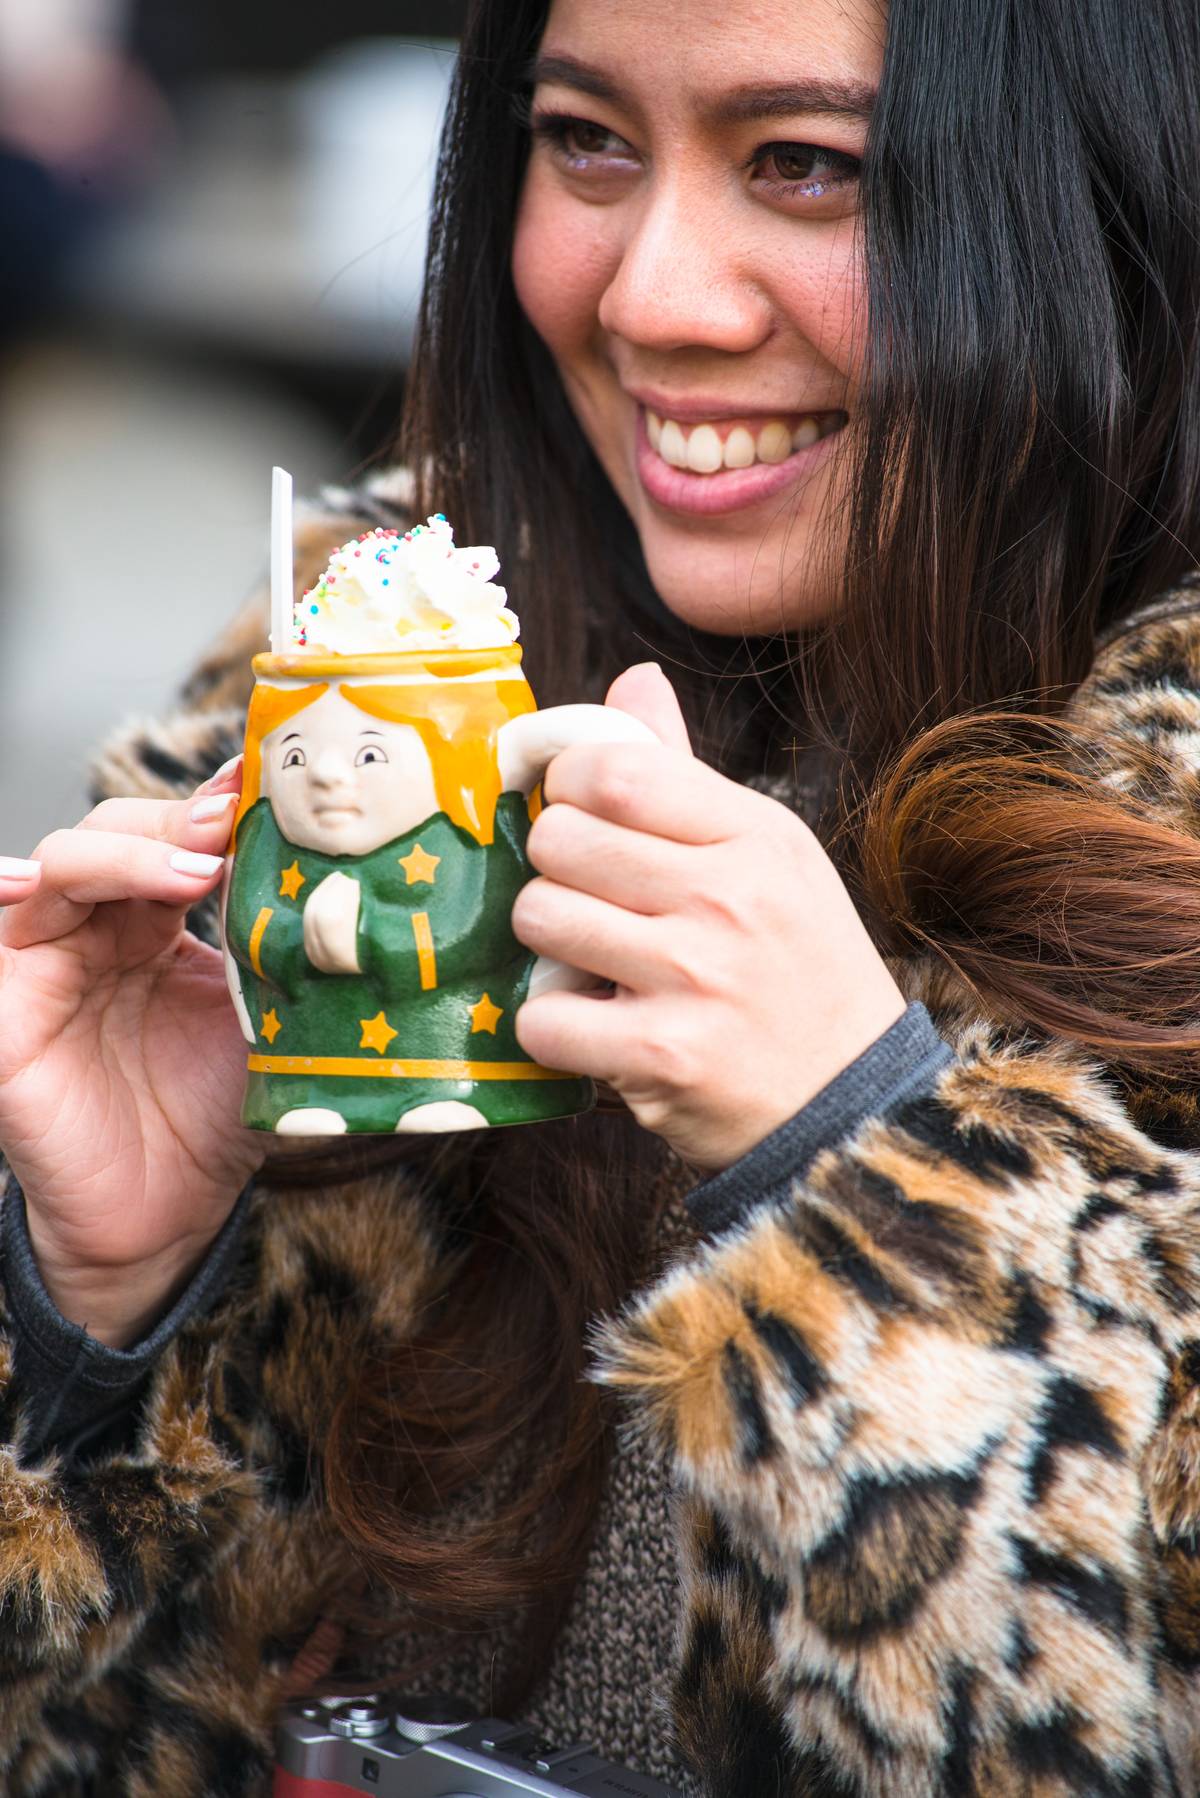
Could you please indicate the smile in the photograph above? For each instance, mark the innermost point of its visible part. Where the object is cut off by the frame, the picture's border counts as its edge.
(730, 443)
(715, 465)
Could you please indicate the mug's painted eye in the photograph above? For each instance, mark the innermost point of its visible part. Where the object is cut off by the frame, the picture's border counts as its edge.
(295, 758)
(370, 752)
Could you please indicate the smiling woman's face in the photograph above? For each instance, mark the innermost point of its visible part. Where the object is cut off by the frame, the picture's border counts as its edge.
(686, 247)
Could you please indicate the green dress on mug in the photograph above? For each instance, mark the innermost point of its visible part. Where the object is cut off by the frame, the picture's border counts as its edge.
(430, 1015)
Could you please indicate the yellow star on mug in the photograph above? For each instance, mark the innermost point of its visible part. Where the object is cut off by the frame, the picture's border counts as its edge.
(419, 865)
(290, 881)
(270, 1026)
(377, 1033)
(485, 1015)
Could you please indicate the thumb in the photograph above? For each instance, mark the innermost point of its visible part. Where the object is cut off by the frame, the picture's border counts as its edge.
(646, 693)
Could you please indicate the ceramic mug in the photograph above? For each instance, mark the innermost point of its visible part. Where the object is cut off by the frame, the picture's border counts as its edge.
(366, 908)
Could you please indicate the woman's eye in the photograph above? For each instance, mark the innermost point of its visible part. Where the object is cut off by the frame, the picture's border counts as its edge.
(587, 139)
(295, 758)
(805, 171)
(581, 145)
(370, 752)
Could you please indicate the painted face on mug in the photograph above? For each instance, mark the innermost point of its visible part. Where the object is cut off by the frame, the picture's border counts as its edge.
(686, 247)
(345, 783)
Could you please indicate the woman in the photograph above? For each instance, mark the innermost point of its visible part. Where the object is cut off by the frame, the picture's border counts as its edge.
(904, 962)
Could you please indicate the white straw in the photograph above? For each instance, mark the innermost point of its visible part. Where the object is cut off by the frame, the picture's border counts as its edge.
(281, 561)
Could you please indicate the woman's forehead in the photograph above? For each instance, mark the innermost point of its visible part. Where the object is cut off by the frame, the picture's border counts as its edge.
(696, 51)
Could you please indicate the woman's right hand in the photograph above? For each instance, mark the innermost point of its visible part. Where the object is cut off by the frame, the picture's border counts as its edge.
(121, 1060)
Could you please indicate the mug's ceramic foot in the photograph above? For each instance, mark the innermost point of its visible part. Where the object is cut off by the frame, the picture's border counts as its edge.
(441, 1114)
(311, 1120)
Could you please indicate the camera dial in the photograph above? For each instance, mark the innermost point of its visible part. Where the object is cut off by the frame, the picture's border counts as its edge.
(359, 1718)
(428, 1719)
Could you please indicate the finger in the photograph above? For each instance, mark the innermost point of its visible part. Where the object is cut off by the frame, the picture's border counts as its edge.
(648, 786)
(85, 868)
(645, 691)
(629, 868)
(589, 933)
(201, 822)
(229, 774)
(576, 1033)
(18, 878)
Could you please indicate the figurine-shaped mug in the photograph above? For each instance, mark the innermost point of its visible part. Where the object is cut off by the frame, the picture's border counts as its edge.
(366, 912)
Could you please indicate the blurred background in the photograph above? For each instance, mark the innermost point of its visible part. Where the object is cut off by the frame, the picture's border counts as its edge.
(212, 220)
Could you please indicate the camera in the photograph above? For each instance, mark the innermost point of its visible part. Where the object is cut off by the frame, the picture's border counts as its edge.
(408, 1747)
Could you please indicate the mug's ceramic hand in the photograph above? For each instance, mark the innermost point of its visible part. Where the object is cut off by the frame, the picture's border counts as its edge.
(527, 743)
(331, 925)
(524, 748)
(745, 978)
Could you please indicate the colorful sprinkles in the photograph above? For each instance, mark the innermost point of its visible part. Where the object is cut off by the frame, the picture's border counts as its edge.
(442, 593)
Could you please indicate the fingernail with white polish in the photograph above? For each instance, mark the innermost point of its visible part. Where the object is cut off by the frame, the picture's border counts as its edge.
(225, 769)
(211, 808)
(187, 861)
(12, 867)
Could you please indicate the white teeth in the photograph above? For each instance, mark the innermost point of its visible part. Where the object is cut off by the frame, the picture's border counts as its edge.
(774, 442)
(739, 448)
(672, 446)
(704, 452)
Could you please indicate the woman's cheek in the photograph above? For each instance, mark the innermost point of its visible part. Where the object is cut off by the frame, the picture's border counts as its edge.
(831, 307)
(563, 259)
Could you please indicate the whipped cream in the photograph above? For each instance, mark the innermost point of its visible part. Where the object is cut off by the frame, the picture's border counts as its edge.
(400, 590)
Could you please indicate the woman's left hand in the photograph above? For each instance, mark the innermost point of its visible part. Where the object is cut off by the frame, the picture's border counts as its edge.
(745, 978)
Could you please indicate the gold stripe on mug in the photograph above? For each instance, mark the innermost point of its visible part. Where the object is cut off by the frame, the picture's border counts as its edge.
(256, 936)
(403, 1070)
(425, 956)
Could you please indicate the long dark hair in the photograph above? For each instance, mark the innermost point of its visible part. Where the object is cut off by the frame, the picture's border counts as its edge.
(1026, 471)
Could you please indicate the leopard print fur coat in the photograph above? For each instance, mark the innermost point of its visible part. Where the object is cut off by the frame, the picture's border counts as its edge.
(934, 1421)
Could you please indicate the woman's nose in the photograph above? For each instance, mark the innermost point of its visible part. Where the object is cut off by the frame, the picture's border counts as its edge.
(681, 282)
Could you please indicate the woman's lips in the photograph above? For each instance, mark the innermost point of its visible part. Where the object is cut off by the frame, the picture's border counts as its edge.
(727, 490)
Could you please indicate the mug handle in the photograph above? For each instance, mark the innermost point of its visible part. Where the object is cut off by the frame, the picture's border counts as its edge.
(526, 746)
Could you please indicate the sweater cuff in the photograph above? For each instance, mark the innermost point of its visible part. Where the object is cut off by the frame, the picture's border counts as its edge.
(901, 1064)
(70, 1382)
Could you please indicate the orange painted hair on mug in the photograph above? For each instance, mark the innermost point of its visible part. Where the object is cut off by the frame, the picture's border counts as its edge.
(456, 720)
(270, 709)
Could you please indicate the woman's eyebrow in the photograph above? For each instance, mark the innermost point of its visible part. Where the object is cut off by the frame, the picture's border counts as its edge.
(850, 100)
(853, 101)
(569, 73)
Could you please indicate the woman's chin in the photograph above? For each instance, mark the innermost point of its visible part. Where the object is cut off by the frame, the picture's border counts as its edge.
(734, 590)
(754, 573)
